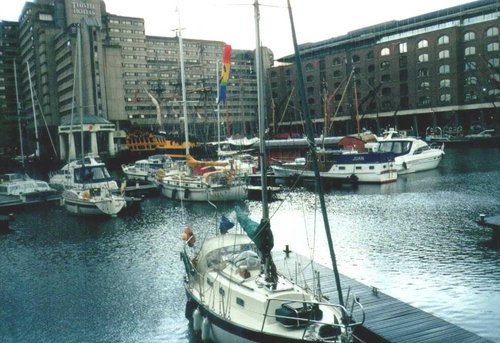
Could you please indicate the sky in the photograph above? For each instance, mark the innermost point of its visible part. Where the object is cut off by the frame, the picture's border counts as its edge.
(232, 21)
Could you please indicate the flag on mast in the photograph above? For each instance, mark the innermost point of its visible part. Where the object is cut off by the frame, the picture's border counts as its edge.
(224, 77)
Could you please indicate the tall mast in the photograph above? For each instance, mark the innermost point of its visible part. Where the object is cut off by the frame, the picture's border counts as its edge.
(80, 84)
(37, 151)
(261, 113)
(183, 85)
(18, 106)
(218, 107)
(312, 150)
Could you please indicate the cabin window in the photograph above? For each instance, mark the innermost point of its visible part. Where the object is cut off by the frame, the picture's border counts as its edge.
(240, 302)
(341, 168)
(222, 291)
(371, 167)
(210, 282)
(358, 168)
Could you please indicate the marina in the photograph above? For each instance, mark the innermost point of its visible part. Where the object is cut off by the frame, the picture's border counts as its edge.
(415, 240)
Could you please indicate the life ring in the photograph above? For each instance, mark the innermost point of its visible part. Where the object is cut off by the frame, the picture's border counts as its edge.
(86, 195)
(160, 174)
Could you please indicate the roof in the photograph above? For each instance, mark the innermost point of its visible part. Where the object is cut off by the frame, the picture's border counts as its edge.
(87, 119)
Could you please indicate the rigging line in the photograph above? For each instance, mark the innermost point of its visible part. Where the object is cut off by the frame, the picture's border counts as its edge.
(342, 98)
(46, 126)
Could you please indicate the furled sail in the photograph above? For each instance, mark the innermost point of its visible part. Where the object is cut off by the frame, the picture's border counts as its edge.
(262, 236)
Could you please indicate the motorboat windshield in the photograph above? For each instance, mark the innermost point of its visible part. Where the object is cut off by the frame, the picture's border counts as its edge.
(92, 174)
(397, 147)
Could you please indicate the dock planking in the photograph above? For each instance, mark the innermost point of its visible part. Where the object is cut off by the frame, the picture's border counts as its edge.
(387, 319)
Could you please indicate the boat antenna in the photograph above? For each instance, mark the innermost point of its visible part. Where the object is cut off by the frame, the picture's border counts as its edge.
(312, 150)
(18, 103)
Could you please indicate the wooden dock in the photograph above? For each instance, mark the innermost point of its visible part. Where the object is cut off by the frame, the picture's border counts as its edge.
(12, 203)
(387, 319)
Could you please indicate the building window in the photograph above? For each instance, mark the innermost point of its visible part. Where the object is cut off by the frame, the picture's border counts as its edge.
(495, 77)
(492, 31)
(444, 39)
(336, 61)
(468, 36)
(403, 75)
(386, 78)
(403, 48)
(470, 50)
(445, 98)
(494, 62)
(385, 52)
(369, 55)
(424, 101)
(423, 58)
(445, 83)
(423, 72)
(424, 43)
(494, 93)
(355, 59)
(387, 105)
(385, 65)
(471, 80)
(493, 47)
(444, 54)
(403, 61)
(444, 69)
(424, 86)
(470, 65)
(371, 68)
(309, 67)
(386, 91)
(310, 90)
(310, 78)
(337, 73)
(470, 96)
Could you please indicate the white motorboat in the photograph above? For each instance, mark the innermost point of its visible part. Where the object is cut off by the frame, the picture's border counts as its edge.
(150, 168)
(89, 172)
(343, 167)
(93, 201)
(214, 186)
(234, 291)
(24, 188)
(412, 154)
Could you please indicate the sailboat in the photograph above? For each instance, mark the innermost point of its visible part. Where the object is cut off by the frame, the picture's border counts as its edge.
(234, 291)
(214, 185)
(88, 187)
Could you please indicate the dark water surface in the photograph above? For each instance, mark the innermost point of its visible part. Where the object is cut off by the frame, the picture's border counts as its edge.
(70, 279)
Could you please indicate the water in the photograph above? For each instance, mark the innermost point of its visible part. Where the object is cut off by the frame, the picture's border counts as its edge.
(70, 279)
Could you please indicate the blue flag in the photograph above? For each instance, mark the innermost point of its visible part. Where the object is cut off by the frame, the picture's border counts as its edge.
(225, 225)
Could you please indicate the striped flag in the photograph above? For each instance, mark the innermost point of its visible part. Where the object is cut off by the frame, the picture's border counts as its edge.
(224, 77)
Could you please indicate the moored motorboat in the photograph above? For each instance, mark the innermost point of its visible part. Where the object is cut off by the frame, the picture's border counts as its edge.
(25, 189)
(93, 202)
(412, 154)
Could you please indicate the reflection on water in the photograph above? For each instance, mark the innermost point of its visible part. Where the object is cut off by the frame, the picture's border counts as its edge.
(64, 278)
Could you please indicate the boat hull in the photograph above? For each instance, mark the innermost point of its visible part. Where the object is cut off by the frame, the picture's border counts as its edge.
(407, 165)
(213, 194)
(93, 207)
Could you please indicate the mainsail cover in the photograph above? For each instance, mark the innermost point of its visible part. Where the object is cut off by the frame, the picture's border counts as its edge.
(260, 234)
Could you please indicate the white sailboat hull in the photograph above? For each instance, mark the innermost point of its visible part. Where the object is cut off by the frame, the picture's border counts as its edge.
(213, 194)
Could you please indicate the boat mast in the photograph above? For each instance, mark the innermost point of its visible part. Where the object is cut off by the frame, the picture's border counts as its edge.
(218, 107)
(19, 116)
(37, 151)
(183, 84)
(312, 150)
(261, 114)
(80, 85)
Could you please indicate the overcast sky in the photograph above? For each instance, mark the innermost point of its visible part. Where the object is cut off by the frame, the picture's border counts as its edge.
(232, 21)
